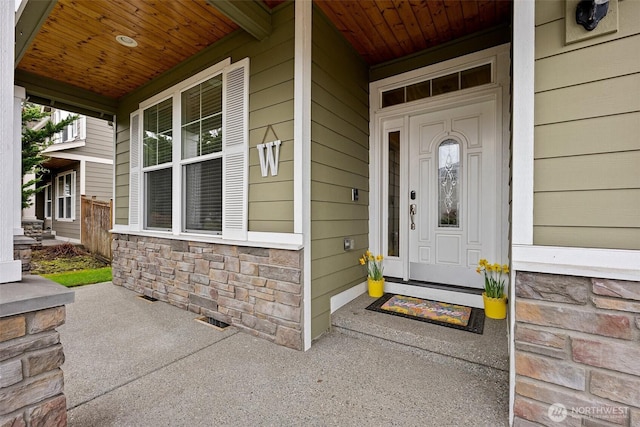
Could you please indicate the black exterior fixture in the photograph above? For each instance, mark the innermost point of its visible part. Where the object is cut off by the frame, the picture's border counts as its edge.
(590, 12)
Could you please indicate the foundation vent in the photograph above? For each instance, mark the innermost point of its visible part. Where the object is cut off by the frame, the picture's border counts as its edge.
(147, 298)
(213, 322)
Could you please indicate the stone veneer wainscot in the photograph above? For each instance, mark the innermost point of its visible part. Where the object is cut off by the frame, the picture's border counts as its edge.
(258, 290)
(578, 344)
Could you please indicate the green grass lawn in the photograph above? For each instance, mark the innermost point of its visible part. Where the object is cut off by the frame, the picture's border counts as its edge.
(81, 277)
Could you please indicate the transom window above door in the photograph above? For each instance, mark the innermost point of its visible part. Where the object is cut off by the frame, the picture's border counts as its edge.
(463, 79)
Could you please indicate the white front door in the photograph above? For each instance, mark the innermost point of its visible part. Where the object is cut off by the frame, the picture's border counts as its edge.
(453, 188)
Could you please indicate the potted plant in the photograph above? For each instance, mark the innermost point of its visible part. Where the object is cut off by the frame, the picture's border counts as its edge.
(375, 278)
(495, 300)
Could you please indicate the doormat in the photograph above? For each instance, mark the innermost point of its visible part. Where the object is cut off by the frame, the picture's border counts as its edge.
(440, 313)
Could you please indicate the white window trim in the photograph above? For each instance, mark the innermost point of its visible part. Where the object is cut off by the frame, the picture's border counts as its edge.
(73, 197)
(185, 84)
(162, 166)
(177, 231)
(79, 126)
(48, 191)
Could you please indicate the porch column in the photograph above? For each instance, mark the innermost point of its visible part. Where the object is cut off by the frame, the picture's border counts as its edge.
(28, 214)
(523, 82)
(302, 151)
(10, 270)
(19, 94)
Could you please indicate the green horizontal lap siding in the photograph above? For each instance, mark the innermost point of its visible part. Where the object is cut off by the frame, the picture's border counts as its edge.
(587, 122)
(270, 103)
(339, 162)
(121, 166)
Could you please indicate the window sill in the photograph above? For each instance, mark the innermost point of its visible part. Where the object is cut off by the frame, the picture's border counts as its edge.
(287, 241)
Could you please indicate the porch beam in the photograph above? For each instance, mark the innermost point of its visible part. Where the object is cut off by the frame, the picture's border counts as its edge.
(251, 16)
(46, 91)
(29, 19)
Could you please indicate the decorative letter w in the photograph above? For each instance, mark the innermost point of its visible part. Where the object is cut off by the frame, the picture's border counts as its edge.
(271, 159)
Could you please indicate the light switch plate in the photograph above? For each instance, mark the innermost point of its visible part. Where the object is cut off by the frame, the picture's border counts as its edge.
(349, 244)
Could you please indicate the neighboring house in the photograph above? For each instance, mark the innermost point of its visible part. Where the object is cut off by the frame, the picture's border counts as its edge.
(359, 105)
(80, 163)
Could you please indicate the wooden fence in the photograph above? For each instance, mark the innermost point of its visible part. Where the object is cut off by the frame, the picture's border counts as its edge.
(96, 222)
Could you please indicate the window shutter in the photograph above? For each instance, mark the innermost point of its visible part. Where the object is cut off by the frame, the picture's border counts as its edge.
(82, 127)
(134, 171)
(235, 137)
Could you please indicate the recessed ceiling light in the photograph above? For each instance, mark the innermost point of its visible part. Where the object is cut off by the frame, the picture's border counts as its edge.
(126, 41)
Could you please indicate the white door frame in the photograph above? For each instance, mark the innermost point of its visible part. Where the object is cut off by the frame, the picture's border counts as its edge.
(396, 117)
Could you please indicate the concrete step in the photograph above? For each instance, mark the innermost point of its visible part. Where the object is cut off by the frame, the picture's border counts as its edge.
(487, 351)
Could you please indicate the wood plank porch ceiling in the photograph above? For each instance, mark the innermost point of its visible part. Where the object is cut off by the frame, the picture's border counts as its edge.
(382, 30)
(76, 44)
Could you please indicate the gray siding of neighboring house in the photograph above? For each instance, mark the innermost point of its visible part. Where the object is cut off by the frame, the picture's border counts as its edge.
(340, 162)
(65, 228)
(270, 103)
(98, 176)
(587, 122)
(99, 181)
(99, 138)
(98, 141)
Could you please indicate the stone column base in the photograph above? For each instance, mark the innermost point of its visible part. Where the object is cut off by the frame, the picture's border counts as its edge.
(33, 228)
(22, 251)
(31, 381)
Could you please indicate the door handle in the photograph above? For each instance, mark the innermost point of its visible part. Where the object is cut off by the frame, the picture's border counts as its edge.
(412, 212)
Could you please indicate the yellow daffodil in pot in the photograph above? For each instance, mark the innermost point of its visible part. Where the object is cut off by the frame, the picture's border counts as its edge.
(495, 300)
(375, 278)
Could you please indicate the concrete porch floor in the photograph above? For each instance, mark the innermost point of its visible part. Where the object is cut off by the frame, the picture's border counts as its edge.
(485, 352)
(134, 363)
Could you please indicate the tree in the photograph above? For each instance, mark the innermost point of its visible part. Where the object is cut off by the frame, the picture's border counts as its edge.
(35, 139)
